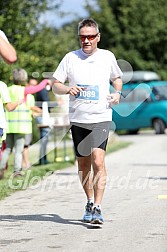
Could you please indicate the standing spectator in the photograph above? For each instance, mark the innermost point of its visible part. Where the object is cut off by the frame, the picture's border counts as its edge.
(89, 72)
(42, 96)
(18, 123)
(5, 103)
(30, 102)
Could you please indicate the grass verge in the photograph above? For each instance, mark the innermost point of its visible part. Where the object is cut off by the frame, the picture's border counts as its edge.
(9, 185)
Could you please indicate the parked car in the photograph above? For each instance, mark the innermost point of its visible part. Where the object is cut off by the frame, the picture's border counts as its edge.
(143, 104)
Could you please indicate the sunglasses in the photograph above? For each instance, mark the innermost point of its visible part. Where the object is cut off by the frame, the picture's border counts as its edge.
(89, 37)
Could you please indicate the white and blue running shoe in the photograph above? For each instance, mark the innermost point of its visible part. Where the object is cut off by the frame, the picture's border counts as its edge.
(97, 217)
(88, 213)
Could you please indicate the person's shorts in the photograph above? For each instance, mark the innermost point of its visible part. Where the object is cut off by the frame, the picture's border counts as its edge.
(28, 140)
(89, 136)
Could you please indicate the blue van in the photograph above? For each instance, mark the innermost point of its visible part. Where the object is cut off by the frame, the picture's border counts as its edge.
(143, 104)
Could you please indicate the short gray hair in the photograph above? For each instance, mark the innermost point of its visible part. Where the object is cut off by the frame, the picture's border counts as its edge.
(20, 76)
(89, 22)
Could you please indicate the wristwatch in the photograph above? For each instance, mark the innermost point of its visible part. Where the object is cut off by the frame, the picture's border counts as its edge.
(118, 92)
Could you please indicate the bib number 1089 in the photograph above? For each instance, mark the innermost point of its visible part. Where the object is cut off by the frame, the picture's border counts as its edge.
(90, 93)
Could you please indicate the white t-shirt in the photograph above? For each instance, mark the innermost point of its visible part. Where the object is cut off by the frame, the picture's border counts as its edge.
(2, 34)
(94, 72)
(4, 98)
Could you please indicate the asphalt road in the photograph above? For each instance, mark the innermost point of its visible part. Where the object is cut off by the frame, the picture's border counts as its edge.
(46, 217)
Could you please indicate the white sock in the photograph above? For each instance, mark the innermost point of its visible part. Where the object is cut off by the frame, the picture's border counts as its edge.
(97, 206)
(90, 200)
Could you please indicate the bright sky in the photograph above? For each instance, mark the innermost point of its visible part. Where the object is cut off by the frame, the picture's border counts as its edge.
(75, 7)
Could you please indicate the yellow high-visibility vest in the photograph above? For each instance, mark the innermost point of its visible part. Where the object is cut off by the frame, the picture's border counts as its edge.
(30, 102)
(18, 120)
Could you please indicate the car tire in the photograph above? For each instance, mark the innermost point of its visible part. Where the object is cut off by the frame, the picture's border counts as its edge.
(159, 126)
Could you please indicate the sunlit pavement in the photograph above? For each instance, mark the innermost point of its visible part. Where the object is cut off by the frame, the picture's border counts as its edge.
(46, 217)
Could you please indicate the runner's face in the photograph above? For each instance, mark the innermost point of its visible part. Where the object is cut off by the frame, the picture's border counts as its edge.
(89, 44)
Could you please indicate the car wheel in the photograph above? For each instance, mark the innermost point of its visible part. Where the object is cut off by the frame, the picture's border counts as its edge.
(159, 126)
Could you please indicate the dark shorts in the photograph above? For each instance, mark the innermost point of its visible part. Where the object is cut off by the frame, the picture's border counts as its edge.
(89, 136)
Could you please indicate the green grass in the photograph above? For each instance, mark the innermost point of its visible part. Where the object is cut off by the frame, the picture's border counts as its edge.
(116, 145)
(8, 185)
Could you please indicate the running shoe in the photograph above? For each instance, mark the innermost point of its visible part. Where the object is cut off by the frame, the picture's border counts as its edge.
(97, 217)
(17, 174)
(88, 212)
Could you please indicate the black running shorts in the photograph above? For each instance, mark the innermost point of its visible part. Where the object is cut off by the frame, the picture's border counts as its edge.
(89, 136)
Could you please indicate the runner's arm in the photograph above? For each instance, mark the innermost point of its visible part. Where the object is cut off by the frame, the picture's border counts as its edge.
(7, 51)
(59, 88)
(117, 84)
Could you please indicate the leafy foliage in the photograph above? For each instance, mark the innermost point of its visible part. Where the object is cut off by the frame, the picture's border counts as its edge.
(35, 44)
(135, 30)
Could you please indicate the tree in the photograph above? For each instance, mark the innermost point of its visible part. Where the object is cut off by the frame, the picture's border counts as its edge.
(135, 30)
(20, 21)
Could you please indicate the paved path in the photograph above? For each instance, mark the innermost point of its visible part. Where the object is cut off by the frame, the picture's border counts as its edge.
(46, 217)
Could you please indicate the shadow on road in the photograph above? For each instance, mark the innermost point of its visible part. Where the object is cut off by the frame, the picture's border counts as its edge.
(46, 217)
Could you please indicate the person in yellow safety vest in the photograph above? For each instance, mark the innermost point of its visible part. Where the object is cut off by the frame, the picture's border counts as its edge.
(5, 103)
(18, 121)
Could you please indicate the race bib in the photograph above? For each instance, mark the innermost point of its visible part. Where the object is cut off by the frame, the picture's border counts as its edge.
(91, 93)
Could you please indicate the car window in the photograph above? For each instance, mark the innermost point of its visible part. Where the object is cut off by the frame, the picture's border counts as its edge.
(160, 92)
